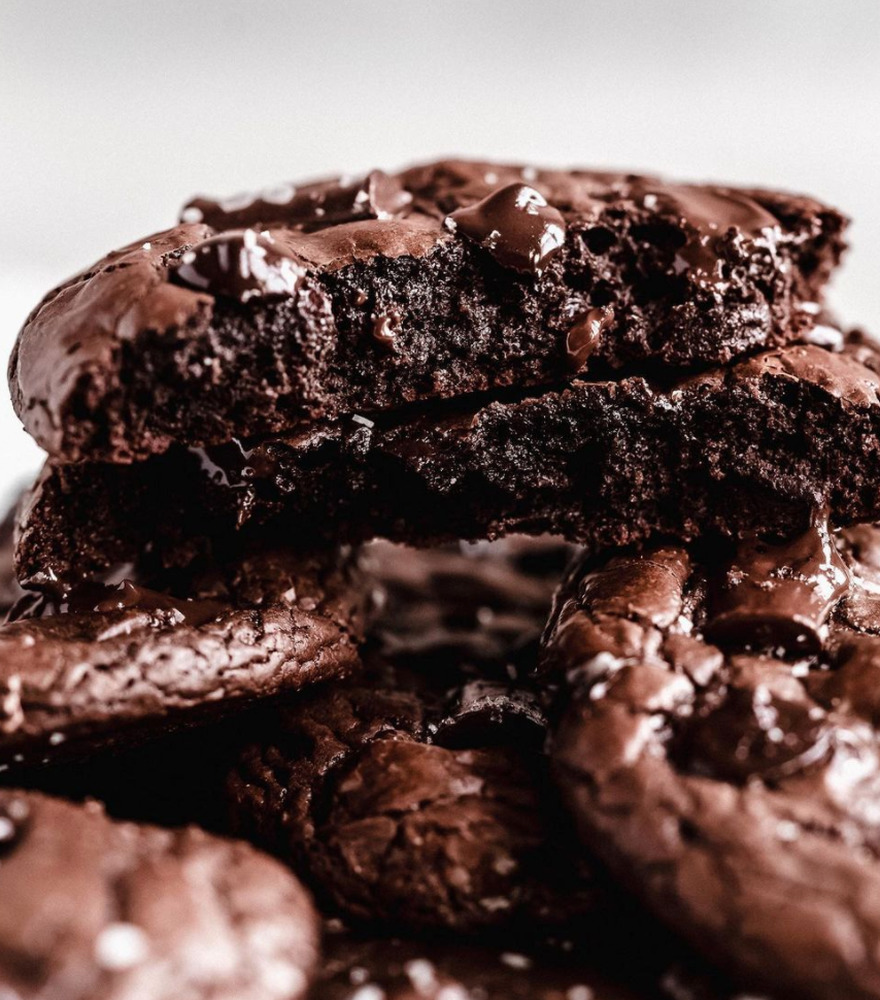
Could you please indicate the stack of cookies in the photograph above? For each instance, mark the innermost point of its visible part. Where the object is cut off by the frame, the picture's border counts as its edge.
(288, 707)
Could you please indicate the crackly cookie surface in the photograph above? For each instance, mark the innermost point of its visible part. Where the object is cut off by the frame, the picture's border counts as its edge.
(360, 294)
(94, 909)
(718, 745)
(106, 663)
(601, 462)
(418, 794)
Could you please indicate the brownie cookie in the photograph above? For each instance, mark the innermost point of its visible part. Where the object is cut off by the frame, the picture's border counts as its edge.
(602, 462)
(110, 663)
(418, 794)
(98, 910)
(358, 295)
(718, 745)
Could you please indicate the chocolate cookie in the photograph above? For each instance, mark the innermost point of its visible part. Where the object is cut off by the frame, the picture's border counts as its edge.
(719, 747)
(114, 663)
(602, 462)
(98, 910)
(358, 295)
(418, 794)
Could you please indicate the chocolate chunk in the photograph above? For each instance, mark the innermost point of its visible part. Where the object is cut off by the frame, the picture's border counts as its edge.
(241, 264)
(385, 329)
(603, 462)
(125, 596)
(150, 347)
(584, 337)
(485, 713)
(752, 734)
(516, 225)
(323, 203)
(94, 908)
(780, 595)
(733, 792)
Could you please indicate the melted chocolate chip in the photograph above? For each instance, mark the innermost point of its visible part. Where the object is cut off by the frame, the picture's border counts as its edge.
(516, 225)
(780, 595)
(752, 734)
(584, 337)
(385, 329)
(309, 206)
(102, 598)
(130, 596)
(14, 815)
(486, 713)
(240, 264)
(718, 210)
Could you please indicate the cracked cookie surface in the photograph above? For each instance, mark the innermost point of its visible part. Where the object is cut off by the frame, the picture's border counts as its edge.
(418, 794)
(113, 663)
(718, 746)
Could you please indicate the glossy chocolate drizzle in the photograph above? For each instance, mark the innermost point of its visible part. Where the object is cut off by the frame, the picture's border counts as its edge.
(712, 214)
(239, 264)
(385, 329)
(516, 225)
(484, 712)
(90, 597)
(780, 595)
(323, 203)
(585, 336)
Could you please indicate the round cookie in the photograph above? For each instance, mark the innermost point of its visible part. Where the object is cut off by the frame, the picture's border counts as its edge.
(718, 746)
(418, 793)
(366, 293)
(116, 663)
(99, 910)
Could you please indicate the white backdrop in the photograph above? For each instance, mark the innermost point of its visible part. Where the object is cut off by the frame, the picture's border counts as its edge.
(114, 111)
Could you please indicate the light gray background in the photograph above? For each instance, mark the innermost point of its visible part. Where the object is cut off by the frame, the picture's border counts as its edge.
(112, 113)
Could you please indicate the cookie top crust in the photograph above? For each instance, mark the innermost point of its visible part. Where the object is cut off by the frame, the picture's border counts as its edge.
(119, 662)
(260, 312)
(605, 462)
(98, 910)
(718, 745)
